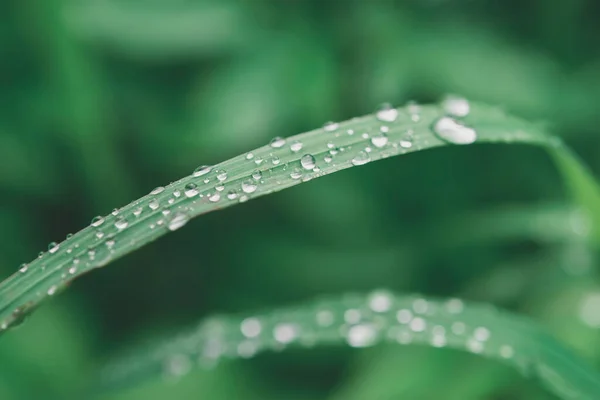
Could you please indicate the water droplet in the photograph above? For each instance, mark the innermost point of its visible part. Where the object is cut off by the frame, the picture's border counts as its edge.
(275, 160)
(296, 173)
(506, 351)
(308, 162)
(456, 106)
(380, 301)
(481, 333)
(23, 268)
(177, 221)
(361, 158)
(115, 212)
(258, 161)
(202, 170)
(415, 110)
(327, 159)
(452, 131)
(417, 324)
(249, 186)
(177, 193)
(99, 234)
(220, 188)
(156, 191)
(153, 204)
(379, 140)
(285, 333)
(277, 142)
(121, 223)
(387, 113)
(69, 236)
(362, 335)
(191, 190)
(296, 146)
(214, 197)
(251, 327)
(331, 126)
(249, 156)
(52, 290)
(232, 195)
(404, 316)
(53, 247)
(257, 175)
(221, 175)
(97, 221)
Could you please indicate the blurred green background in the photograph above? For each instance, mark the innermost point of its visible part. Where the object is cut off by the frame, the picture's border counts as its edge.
(102, 100)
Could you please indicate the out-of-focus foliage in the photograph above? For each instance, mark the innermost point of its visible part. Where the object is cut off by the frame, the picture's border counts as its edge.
(102, 100)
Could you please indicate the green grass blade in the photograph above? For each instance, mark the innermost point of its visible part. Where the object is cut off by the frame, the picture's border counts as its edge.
(282, 164)
(363, 321)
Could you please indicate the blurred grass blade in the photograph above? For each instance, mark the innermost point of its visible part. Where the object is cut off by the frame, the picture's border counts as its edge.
(281, 164)
(363, 321)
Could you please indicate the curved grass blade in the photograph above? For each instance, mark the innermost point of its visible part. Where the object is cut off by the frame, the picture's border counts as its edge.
(363, 321)
(281, 164)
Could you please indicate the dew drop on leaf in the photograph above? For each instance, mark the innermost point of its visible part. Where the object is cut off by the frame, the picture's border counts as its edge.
(156, 191)
(452, 131)
(308, 162)
(380, 140)
(121, 223)
(277, 142)
(191, 190)
(386, 113)
(177, 221)
(249, 186)
(361, 158)
(97, 221)
(53, 247)
(331, 126)
(296, 146)
(202, 170)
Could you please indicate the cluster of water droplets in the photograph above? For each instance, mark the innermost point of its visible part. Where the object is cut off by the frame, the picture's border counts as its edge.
(355, 320)
(281, 163)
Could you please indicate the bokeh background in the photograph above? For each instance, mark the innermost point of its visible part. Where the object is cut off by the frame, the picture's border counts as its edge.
(102, 100)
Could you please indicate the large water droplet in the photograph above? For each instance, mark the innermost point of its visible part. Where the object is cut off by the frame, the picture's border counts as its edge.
(202, 170)
(452, 131)
(249, 186)
(361, 158)
(191, 190)
(456, 106)
(153, 204)
(308, 162)
(296, 146)
(386, 113)
(97, 221)
(178, 220)
(277, 142)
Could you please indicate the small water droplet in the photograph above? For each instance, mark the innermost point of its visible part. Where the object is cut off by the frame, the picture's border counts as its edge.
(380, 140)
(361, 158)
(177, 193)
(249, 186)
(214, 197)
(257, 175)
(296, 146)
(156, 191)
(137, 212)
(191, 190)
(285, 333)
(202, 170)
(456, 106)
(153, 204)
(277, 142)
(69, 236)
(275, 160)
(221, 175)
(327, 159)
(363, 335)
(387, 113)
(308, 162)
(97, 221)
(331, 126)
(115, 212)
(251, 327)
(296, 173)
(52, 290)
(177, 221)
(452, 131)
(249, 156)
(232, 195)
(53, 247)
(99, 234)
(258, 161)
(23, 268)
(121, 223)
